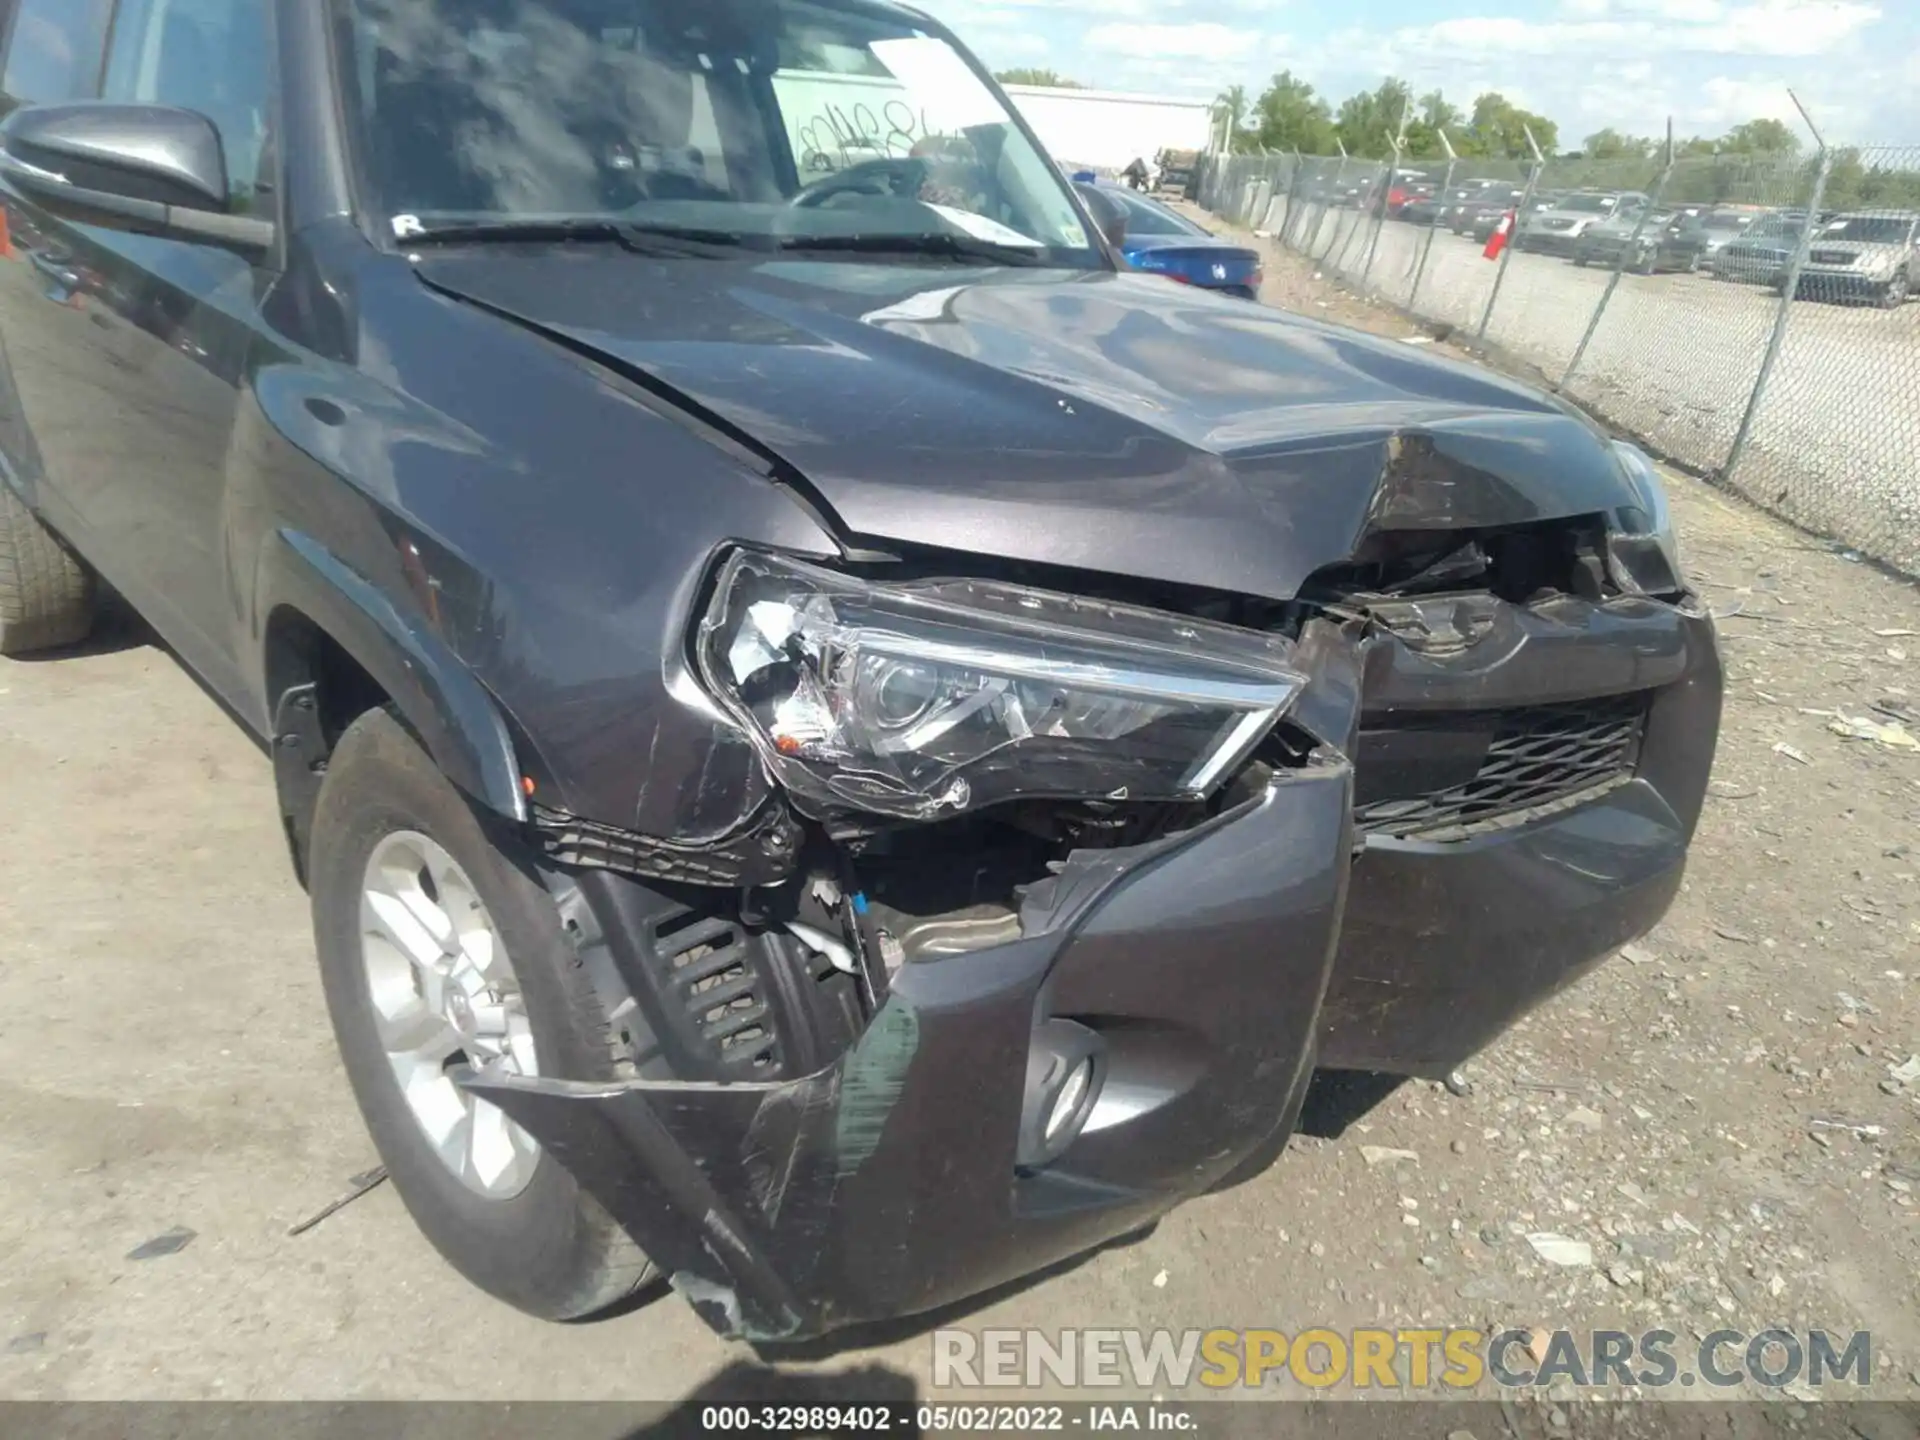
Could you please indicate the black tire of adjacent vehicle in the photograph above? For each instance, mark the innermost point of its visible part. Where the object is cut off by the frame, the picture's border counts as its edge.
(46, 593)
(552, 1250)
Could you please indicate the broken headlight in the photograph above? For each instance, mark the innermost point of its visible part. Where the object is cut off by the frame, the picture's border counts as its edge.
(919, 700)
(1642, 548)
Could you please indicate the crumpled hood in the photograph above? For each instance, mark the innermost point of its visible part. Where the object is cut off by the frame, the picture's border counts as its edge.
(1106, 422)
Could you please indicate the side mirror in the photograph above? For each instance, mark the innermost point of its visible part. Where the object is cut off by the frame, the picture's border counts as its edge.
(150, 169)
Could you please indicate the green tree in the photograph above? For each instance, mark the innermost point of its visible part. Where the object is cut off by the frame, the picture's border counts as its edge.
(1367, 123)
(1760, 137)
(1610, 144)
(1025, 75)
(1290, 115)
(1499, 128)
(1232, 108)
(1431, 115)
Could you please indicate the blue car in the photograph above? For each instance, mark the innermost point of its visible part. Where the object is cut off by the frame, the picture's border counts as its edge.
(1162, 241)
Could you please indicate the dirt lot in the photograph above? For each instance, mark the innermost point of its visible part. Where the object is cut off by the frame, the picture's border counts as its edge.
(1716, 1115)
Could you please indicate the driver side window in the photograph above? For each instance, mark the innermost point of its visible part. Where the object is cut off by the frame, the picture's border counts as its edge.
(213, 56)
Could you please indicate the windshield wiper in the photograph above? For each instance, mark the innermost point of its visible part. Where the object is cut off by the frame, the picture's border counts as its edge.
(966, 248)
(638, 236)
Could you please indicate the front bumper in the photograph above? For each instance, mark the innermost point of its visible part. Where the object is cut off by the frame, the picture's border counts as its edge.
(1213, 967)
(1550, 242)
(1817, 283)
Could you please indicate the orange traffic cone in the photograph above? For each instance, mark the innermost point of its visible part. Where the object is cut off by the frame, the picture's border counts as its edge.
(1502, 232)
(6, 237)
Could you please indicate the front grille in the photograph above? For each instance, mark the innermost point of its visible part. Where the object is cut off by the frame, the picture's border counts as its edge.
(1446, 776)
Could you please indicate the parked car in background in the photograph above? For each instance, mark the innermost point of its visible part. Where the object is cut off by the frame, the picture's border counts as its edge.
(1868, 255)
(1486, 215)
(1176, 171)
(1559, 228)
(1762, 254)
(1161, 241)
(1636, 235)
(1692, 243)
(1466, 202)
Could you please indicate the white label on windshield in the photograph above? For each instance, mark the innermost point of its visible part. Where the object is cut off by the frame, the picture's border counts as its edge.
(981, 227)
(939, 84)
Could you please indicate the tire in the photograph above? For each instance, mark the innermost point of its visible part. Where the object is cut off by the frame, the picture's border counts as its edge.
(46, 593)
(549, 1248)
(1581, 261)
(1894, 293)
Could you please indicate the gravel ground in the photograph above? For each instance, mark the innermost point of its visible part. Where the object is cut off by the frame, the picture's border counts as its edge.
(1717, 1117)
(1675, 359)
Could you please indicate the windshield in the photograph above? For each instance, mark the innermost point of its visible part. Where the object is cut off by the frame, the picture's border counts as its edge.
(768, 120)
(1586, 204)
(1724, 220)
(1873, 229)
(1144, 217)
(1775, 229)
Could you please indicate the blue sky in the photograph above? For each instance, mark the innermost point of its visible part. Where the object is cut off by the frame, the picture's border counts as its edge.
(1584, 63)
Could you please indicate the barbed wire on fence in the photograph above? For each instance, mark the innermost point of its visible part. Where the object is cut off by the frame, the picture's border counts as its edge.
(1745, 315)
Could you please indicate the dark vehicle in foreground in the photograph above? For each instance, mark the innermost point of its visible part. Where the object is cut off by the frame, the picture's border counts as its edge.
(1870, 255)
(843, 747)
(1161, 241)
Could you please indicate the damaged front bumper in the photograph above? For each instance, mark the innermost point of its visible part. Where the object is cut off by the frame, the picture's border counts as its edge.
(1214, 968)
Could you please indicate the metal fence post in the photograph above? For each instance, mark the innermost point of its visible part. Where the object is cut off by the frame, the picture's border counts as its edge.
(1385, 189)
(1288, 222)
(1446, 188)
(1339, 177)
(1513, 240)
(1620, 261)
(1791, 285)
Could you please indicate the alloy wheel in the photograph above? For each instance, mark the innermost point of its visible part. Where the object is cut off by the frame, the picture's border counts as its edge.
(444, 993)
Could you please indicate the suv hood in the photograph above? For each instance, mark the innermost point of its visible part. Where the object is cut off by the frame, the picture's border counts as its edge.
(1105, 422)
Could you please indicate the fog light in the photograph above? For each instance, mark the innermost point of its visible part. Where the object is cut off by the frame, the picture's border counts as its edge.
(1064, 1071)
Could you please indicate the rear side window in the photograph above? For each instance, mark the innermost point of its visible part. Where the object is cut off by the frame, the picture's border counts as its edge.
(54, 51)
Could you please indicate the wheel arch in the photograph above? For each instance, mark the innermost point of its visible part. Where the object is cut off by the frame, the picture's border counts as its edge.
(334, 646)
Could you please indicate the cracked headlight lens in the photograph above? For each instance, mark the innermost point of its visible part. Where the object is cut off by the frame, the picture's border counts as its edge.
(924, 699)
(1642, 548)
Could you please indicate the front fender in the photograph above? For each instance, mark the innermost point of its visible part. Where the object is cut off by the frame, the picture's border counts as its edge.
(451, 712)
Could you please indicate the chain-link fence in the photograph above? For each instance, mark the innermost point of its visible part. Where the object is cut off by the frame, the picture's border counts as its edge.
(1744, 315)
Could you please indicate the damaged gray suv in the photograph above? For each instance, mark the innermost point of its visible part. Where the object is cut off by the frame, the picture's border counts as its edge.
(844, 747)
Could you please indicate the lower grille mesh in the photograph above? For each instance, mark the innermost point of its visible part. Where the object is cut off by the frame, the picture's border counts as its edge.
(1446, 776)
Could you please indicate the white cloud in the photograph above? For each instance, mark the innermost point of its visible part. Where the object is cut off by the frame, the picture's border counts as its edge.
(1205, 40)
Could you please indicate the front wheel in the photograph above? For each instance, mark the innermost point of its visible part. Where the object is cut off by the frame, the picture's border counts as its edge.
(1894, 293)
(440, 947)
(46, 594)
